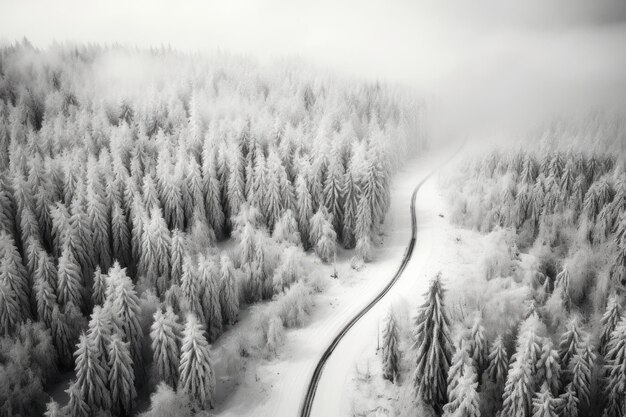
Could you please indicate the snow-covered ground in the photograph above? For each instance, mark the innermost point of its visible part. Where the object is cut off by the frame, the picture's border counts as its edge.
(276, 387)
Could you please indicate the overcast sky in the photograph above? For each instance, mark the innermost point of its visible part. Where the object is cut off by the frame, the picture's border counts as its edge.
(481, 54)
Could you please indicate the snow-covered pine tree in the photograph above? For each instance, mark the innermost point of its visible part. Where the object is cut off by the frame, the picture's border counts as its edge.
(197, 378)
(98, 213)
(210, 299)
(236, 183)
(229, 291)
(190, 287)
(121, 377)
(273, 198)
(326, 245)
(288, 270)
(363, 228)
(10, 314)
(391, 351)
(165, 333)
(212, 203)
(520, 383)
(570, 342)
(98, 293)
(13, 274)
(76, 406)
(99, 335)
(433, 347)
(477, 347)
(126, 311)
(581, 372)
(286, 230)
(172, 201)
(65, 329)
(91, 377)
(333, 187)
(304, 206)
(549, 369)
(615, 371)
(195, 187)
(498, 362)
(562, 282)
(60, 226)
(466, 403)
(46, 269)
(569, 403)
(155, 250)
(544, 404)
(79, 238)
(70, 286)
(120, 235)
(609, 320)
(461, 365)
(317, 222)
(177, 256)
(247, 245)
(349, 195)
(46, 301)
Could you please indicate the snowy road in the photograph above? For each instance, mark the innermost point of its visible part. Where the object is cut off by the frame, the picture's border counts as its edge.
(277, 387)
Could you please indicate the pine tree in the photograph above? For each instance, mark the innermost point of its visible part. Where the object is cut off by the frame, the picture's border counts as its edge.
(461, 365)
(172, 201)
(236, 184)
(247, 245)
(125, 310)
(99, 222)
(76, 405)
(155, 250)
(569, 403)
(391, 352)
(520, 384)
(99, 334)
(165, 335)
(229, 291)
(570, 342)
(210, 299)
(466, 403)
(350, 194)
(304, 207)
(98, 293)
(332, 191)
(582, 365)
(79, 238)
(65, 328)
(433, 348)
(498, 362)
(544, 404)
(91, 378)
(46, 300)
(120, 235)
(191, 288)
(121, 377)
(273, 198)
(46, 269)
(562, 282)
(197, 378)
(286, 230)
(549, 371)
(326, 246)
(14, 275)
(609, 320)
(10, 315)
(213, 206)
(478, 347)
(70, 282)
(176, 255)
(317, 223)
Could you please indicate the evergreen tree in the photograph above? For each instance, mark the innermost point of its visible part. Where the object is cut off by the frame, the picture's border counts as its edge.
(273, 198)
(210, 299)
(172, 202)
(197, 378)
(235, 186)
(317, 224)
(549, 371)
(461, 366)
(286, 230)
(609, 320)
(191, 288)
(79, 238)
(544, 404)
(520, 383)
(46, 301)
(76, 405)
(10, 315)
(570, 342)
(46, 269)
(391, 352)
(213, 206)
(65, 331)
(247, 245)
(326, 246)
(478, 347)
(466, 403)
(562, 282)
(350, 195)
(98, 293)
(121, 377)
(177, 256)
(333, 188)
(165, 335)
(582, 365)
(498, 362)
(155, 250)
(99, 222)
(13, 274)
(569, 403)
(125, 310)
(304, 207)
(99, 335)
(120, 235)
(229, 291)
(433, 348)
(70, 282)
(91, 377)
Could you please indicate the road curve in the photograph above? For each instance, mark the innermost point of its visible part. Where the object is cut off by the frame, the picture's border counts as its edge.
(307, 403)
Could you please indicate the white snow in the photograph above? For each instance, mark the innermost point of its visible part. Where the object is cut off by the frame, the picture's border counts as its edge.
(276, 387)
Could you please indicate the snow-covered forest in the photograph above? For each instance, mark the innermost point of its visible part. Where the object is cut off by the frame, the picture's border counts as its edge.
(146, 195)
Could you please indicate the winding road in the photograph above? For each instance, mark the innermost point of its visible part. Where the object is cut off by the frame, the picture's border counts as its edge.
(308, 402)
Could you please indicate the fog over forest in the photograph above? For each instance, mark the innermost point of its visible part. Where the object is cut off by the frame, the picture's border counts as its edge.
(507, 61)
